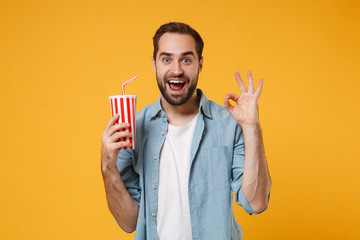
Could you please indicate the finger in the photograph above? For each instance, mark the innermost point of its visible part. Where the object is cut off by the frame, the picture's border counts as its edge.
(227, 105)
(118, 136)
(118, 127)
(232, 96)
(250, 82)
(120, 145)
(259, 89)
(112, 121)
(240, 83)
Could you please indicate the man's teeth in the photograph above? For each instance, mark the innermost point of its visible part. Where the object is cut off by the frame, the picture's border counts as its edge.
(175, 81)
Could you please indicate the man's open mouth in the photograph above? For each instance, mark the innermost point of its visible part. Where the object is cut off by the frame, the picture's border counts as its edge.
(176, 85)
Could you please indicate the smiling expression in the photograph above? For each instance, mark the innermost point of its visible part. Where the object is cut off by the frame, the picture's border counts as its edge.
(177, 67)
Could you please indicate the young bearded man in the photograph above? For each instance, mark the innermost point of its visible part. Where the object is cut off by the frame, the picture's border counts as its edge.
(190, 152)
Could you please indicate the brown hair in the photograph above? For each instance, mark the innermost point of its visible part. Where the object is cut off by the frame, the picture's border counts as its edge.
(177, 27)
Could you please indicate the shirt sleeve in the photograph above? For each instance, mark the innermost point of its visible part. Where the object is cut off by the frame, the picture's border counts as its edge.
(238, 170)
(128, 174)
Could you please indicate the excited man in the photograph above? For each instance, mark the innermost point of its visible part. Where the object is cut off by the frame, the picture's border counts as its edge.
(190, 152)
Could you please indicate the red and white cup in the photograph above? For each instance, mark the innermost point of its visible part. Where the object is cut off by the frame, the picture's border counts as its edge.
(125, 105)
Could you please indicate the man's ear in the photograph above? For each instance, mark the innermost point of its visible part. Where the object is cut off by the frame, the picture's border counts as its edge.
(153, 64)
(201, 64)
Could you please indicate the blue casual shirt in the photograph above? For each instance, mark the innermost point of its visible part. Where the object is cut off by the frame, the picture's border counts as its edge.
(216, 169)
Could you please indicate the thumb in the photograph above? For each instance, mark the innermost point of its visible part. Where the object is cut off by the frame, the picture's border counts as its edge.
(227, 105)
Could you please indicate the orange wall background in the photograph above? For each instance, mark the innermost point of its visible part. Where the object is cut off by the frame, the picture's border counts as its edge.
(60, 60)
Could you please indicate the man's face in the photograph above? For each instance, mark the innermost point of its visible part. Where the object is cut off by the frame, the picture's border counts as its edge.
(177, 67)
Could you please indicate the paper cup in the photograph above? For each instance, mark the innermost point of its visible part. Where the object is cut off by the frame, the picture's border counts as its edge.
(125, 105)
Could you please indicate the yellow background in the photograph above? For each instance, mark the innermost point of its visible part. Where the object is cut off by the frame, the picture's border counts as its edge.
(60, 60)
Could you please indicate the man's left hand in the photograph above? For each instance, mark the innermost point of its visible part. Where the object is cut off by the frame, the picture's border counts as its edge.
(245, 112)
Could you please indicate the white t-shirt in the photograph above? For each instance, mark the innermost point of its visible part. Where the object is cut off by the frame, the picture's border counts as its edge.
(173, 217)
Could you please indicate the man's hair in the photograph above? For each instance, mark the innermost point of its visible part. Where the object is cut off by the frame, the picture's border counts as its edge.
(182, 28)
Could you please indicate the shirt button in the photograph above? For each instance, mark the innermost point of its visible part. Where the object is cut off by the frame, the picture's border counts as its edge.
(162, 133)
(162, 114)
(154, 186)
(153, 214)
(155, 157)
(157, 118)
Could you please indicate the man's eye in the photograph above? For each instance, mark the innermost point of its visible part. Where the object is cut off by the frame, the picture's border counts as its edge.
(166, 60)
(186, 60)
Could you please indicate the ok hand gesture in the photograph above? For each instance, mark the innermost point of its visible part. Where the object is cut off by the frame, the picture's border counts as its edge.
(245, 112)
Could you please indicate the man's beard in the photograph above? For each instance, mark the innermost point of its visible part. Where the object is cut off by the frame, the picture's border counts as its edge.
(177, 100)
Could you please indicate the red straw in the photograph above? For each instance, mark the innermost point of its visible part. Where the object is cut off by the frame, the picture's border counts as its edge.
(125, 83)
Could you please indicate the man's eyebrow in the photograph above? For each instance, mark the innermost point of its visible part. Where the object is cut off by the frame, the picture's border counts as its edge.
(188, 53)
(165, 54)
(182, 54)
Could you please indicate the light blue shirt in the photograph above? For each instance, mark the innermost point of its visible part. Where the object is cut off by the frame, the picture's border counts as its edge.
(216, 169)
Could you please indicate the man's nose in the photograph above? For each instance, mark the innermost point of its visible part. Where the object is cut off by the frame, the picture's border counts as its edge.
(177, 68)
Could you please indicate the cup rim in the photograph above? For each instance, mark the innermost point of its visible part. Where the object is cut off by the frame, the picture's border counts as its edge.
(123, 96)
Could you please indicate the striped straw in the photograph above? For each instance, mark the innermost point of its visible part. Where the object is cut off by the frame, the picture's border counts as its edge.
(125, 83)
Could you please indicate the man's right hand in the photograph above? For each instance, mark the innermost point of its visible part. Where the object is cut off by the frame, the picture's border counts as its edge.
(121, 204)
(112, 142)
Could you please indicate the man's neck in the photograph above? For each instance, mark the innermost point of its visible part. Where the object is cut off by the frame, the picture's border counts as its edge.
(183, 114)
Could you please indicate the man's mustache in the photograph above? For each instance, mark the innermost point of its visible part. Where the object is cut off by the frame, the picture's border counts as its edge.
(180, 76)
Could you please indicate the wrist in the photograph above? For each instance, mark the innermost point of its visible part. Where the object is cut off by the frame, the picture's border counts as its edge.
(108, 169)
(254, 126)
(251, 129)
(112, 178)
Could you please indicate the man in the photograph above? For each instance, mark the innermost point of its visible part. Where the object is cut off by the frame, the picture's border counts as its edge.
(190, 153)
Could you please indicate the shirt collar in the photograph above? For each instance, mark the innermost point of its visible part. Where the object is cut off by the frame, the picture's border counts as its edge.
(155, 108)
(204, 106)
